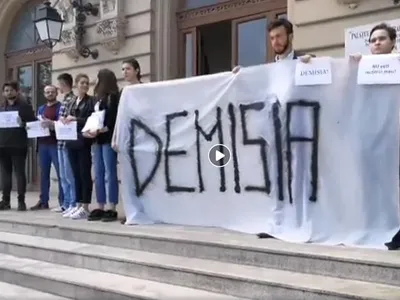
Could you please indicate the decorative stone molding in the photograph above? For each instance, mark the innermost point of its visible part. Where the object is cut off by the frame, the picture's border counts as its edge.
(112, 33)
(216, 9)
(68, 37)
(72, 53)
(111, 28)
(69, 43)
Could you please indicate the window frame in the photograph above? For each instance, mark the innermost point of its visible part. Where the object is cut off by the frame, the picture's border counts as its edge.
(190, 20)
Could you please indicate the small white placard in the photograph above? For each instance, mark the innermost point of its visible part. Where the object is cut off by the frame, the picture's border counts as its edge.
(9, 119)
(379, 69)
(317, 71)
(35, 130)
(66, 132)
(95, 121)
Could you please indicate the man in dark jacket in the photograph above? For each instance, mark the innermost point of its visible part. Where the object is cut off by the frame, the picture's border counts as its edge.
(14, 145)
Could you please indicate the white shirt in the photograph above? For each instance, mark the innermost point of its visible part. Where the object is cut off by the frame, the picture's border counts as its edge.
(78, 100)
(290, 56)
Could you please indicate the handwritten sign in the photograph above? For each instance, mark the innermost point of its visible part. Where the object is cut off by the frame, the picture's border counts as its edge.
(35, 130)
(9, 119)
(357, 38)
(66, 132)
(379, 69)
(315, 72)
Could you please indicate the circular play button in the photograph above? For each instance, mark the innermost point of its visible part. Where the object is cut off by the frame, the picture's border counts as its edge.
(219, 155)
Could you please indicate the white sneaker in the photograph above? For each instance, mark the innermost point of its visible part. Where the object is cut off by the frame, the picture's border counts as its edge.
(80, 214)
(59, 209)
(69, 212)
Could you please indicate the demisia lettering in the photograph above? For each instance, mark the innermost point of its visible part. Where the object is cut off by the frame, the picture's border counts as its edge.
(234, 113)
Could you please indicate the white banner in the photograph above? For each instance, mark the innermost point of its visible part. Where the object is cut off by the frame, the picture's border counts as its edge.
(357, 38)
(308, 163)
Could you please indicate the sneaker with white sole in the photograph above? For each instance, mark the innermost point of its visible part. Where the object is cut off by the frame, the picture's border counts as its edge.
(59, 209)
(69, 212)
(80, 214)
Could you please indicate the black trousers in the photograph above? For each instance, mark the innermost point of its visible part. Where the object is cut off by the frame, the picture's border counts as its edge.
(81, 165)
(13, 158)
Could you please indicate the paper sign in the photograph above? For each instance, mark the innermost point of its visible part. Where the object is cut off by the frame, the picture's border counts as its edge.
(35, 130)
(66, 132)
(9, 119)
(316, 72)
(379, 69)
(95, 121)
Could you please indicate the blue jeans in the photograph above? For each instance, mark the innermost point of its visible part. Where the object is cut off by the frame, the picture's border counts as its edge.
(105, 170)
(47, 157)
(67, 179)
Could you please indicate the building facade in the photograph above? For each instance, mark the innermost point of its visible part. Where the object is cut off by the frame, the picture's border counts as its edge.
(171, 38)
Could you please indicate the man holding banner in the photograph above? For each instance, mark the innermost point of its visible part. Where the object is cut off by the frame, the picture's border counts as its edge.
(382, 40)
(280, 34)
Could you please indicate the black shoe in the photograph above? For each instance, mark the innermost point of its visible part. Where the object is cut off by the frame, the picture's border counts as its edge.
(21, 206)
(264, 235)
(40, 206)
(110, 216)
(5, 205)
(123, 221)
(96, 215)
(391, 246)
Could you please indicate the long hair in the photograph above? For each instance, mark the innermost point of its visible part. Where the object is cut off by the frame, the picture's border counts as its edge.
(135, 64)
(106, 83)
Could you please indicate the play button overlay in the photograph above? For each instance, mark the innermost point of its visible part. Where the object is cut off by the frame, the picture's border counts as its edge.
(219, 155)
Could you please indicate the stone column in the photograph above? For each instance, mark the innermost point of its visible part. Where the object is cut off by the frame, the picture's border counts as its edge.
(165, 64)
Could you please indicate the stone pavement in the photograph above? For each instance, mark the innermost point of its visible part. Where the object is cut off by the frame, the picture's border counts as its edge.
(33, 197)
(92, 260)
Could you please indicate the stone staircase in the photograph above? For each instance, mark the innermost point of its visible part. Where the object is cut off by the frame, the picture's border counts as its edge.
(47, 257)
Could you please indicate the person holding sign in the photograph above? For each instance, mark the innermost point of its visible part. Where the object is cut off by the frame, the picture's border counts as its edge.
(48, 113)
(65, 82)
(13, 143)
(382, 40)
(79, 150)
(104, 156)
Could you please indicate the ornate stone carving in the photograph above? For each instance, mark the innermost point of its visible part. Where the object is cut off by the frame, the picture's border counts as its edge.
(112, 33)
(67, 12)
(68, 37)
(70, 44)
(71, 52)
(218, 8)
(108, 6)
(111, 28)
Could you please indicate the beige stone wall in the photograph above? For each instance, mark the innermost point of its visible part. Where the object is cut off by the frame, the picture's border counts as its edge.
(131, 37)
(320, 24)
(135, 37)
(138, 41)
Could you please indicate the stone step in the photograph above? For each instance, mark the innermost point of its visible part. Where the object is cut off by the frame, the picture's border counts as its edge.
(215, 244)
(225, 278)
(83, 284)
(15, 292)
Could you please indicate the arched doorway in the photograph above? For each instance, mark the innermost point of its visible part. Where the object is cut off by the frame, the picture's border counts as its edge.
(215, 35)
(29, 62)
